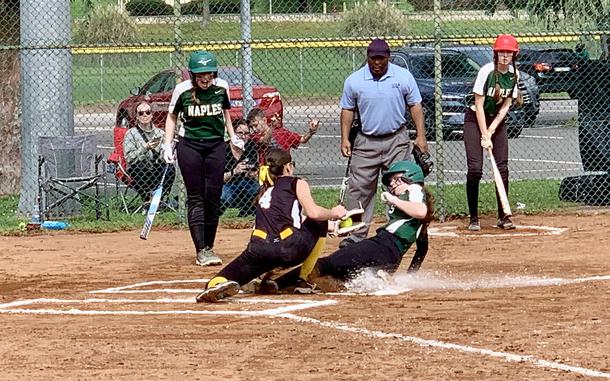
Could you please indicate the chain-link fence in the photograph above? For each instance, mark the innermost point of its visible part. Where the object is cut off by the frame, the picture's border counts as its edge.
(84, 68)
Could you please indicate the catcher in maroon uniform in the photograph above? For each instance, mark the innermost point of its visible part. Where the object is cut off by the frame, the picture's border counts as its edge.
(281, 237)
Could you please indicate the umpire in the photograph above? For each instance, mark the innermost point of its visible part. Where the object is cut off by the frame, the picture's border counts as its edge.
(379, 93)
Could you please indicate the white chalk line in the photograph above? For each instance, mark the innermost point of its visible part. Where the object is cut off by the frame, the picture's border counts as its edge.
(411, 282)
(284, 313)
(151, 283)
(448, 231)
(507, 356)
(293, 305)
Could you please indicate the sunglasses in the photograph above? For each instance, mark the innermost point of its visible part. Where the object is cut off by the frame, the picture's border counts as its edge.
(147, 112)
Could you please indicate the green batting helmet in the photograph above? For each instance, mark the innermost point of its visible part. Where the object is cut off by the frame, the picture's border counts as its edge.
(202, 62)
(409, 170)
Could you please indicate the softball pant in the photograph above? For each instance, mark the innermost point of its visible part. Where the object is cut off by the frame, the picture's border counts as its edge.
(474, 159)
(264, 255)
(370, 155)
(202, 165)
(379, 252)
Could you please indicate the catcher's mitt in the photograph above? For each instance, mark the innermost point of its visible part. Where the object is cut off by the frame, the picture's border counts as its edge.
(423, 159)
(354, 216)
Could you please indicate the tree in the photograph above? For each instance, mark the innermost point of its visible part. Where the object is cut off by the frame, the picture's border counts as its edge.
(576, 15)
(10, 137)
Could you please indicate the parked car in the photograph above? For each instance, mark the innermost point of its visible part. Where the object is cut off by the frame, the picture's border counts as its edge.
(482, 55)
(555, 69)
(458, 75)
(158, 92)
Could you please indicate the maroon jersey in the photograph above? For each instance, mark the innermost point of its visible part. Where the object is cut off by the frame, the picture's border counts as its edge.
(279, 207)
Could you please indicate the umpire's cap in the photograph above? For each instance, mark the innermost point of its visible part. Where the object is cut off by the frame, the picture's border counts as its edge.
(378, 48)
(407, 167)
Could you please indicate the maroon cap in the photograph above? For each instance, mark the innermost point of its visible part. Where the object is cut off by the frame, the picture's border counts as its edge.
(378, 47)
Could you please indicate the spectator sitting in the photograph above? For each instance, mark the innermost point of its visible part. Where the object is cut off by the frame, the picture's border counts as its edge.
(240, 176)
(274, 135)
(142, 147)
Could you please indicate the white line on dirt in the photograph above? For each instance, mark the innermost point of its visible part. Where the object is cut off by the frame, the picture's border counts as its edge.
(151, 283)
(449, 231)
(293, 305)
(510, 357)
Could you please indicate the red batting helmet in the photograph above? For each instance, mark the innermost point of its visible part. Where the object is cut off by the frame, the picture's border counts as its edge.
(506, 43)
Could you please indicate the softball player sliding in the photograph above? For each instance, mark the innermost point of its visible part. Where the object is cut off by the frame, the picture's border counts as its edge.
(410, 210)
(281, 238)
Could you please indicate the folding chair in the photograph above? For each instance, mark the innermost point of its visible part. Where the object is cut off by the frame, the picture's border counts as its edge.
(118, 166)
(68, 173)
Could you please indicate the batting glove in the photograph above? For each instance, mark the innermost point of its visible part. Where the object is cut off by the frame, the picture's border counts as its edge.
(388, 198)
(168, 152)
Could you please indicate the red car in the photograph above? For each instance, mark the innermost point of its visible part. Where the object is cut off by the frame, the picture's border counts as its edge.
(158, 92)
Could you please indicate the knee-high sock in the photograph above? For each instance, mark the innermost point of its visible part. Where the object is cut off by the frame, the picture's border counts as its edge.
(311, 260)
(198, 236)
(472, 195)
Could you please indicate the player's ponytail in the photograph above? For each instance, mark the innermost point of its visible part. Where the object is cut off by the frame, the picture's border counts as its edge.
(429, 206)
(519, 99)
(273, 168)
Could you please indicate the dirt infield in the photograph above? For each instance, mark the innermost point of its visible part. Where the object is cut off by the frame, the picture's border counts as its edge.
(530, 304)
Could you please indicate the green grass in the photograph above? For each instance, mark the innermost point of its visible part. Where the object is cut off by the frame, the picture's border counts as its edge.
(538, 196)
(311, 72)
(322, 72)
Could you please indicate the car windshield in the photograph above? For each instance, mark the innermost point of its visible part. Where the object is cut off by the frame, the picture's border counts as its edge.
(233, 76)
(481, 55)
(452, 66)
(558, 55)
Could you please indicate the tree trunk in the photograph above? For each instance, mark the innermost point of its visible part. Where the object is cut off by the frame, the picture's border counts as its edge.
(205, 12)
(10, 128)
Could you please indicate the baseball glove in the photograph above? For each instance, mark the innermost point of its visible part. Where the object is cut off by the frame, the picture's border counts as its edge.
(351, 221)
(423, 159)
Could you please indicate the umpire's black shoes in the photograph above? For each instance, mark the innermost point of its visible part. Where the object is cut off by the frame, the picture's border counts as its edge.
(218, 292)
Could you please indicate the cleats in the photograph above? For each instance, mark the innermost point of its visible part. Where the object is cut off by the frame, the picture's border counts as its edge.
(206, 257)
(474, 225)
(217, 293)
(505, 223)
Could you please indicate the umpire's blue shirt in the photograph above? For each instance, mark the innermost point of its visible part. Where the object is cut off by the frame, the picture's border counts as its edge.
(381, 103)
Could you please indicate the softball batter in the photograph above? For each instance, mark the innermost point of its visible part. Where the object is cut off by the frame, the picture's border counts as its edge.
(410, 211)
(281, 238)
(485, 123)
(204, 111)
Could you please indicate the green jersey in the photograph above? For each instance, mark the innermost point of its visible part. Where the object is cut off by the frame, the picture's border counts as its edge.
(485, 84)
(203, 119)
(403, 226)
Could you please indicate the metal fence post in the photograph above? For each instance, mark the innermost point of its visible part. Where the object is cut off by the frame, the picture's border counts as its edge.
(301, 71)
(101, 77)
(178, 59)
(438, 114)
(246, 36)
(46, 91)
